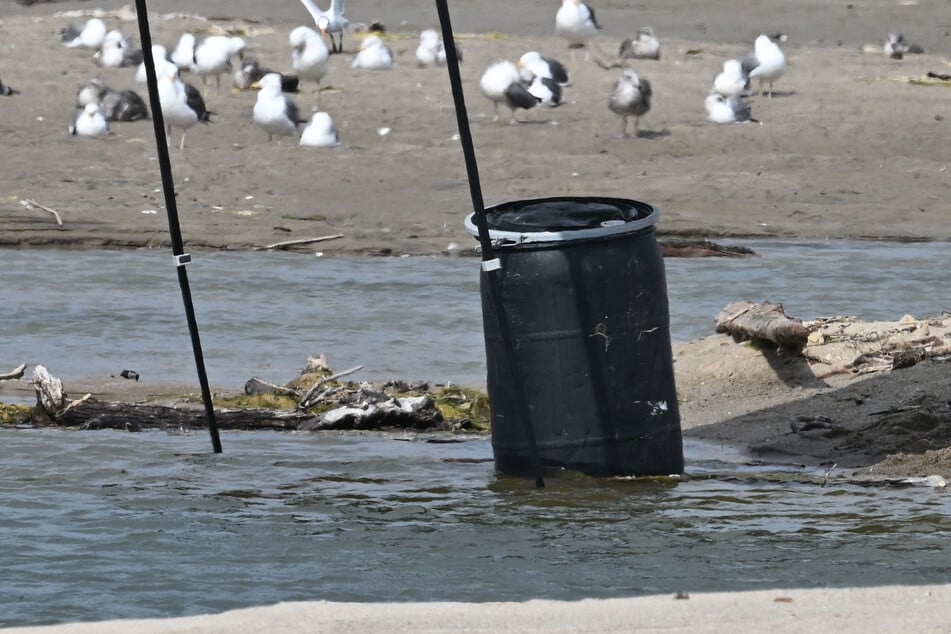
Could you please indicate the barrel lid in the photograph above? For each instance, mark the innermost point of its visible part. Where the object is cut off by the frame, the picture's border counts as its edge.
(563, 218)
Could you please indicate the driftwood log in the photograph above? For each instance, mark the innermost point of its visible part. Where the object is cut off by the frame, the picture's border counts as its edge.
(763, 322)
(15, 373)
(679, 248)
(95, 414)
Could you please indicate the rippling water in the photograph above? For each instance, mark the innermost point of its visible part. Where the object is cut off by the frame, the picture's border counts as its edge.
(104, 524)
(98, 525)
(85, 313)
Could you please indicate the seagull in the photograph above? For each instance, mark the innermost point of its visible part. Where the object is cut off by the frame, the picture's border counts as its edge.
(320, 132)
(546, 89)
(117, 51)
(373, 55)
(159, 57)
(330, 21)
(7, 91)
(213, 57)
(124, 105)
(731, 81)
(273, 111)
(430, 50)
(309, 55)
(544, 67)
(767, 62)
(502, 83)
(90, 122)
(722, 109)
(576, 23)
(182, 105)
(250, 73)
(184, 54)
(644, 46)
(631, 96)
(88, 35)
(896, 47)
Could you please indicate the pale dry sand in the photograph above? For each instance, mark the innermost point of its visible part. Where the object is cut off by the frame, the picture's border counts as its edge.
(889, 609)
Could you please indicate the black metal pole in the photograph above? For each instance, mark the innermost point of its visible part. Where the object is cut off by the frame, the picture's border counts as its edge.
(171, 208)
(491, 266)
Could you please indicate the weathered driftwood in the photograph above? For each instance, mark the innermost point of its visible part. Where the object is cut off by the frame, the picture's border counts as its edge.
(678, 248)
(30, 203)
(294, 243)
(309, 400)
(15, 373)
(763, 322)
(257, 385)
(49, 390)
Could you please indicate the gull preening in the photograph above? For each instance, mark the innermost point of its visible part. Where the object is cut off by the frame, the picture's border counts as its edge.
(90, 122)
(576, 23)
(766, 63)
(731, 81)
(722, 109)
(644, 45)
(274, 112)
(250, 72)
(544, 67)
(309, 55)
(116, 105)
(373, 55)
(213, 57)
(320, 132)
(117, 51)
(502, 83)
(182, 104)
(330, 21)
(184, 54)
(88, 35)
(630, 97)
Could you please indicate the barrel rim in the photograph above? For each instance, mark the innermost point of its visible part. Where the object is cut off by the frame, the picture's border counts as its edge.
(503, 238)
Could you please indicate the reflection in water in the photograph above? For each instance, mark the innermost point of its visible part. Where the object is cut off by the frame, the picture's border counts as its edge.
(108, 524)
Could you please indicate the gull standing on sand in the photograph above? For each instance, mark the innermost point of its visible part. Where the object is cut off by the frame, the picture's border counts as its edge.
(213, 57)
(90, 122)
(643, 46)
(250, 72)
(766, 63)
(576, 23)
(320, 132)
(430, 50)
(630, 97)
(274, 112)
(309, 55)
(731, 81)
(182, 104)
(502, 83)
(373, 55)
(116, 105)
(722, 109)
(330, 21)
(88, 35)
(184, 54)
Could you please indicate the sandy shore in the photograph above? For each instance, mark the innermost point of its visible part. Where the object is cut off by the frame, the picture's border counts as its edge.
(847, 149)
(859, 610)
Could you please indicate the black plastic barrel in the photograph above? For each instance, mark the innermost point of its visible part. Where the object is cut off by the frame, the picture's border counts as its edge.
(583, 289)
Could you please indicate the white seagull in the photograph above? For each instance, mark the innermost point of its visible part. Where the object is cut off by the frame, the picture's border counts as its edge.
(373, 55)
(766, 63)
(544, 67)
(159, 56)
(731, 81)
(576, 23)
(182, 105)
(213, 57)
(90, 122)
(546, 89)
(88, 35)
(722, 109)
(320, 132)
(116, 105)
(330, 21)
(117, 51)
(430, 50)
(644, 45)
(502, 83)
(184, 54)
(309, 55)
(630, 97)
(273, 111)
